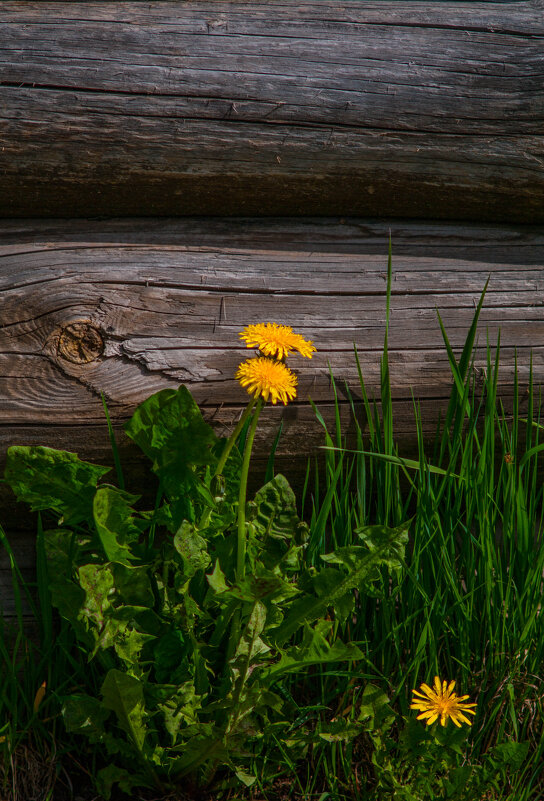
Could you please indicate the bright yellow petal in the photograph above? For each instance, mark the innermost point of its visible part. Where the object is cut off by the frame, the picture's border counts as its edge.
(441, 702)
(422, 706)
(267, 378)
(277, 341)
(421, 695)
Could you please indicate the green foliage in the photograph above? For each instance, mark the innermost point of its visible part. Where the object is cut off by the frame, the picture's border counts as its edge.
(466, 604)
(191, 651)
(188, 672)
(431, 762)
(60, 481)
(169, 429)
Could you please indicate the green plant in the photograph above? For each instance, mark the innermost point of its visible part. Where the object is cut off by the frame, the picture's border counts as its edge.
(39, 664)
(432, 763)
(467, 602)
(194, 612)
(464, 601)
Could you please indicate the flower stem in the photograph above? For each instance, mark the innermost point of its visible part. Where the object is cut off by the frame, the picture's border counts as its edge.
(233, 437)
(241, 550)
(204, 519)
(241, 553)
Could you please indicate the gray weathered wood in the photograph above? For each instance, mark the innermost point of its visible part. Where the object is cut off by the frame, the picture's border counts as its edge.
(129, 307)
(393, 108)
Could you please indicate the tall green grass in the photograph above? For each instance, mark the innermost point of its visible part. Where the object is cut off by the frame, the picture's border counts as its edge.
(468, 602)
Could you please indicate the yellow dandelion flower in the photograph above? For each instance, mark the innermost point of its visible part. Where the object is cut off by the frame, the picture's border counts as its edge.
(441, 702)
(276, 340)
(267, 378)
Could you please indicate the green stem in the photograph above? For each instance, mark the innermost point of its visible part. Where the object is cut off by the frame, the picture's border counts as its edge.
(241, 551)
(225, 455)
(233, 437)
(241, 554)
(231, 725)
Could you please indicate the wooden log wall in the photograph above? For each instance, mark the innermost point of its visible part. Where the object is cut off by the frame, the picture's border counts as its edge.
(279, 107)
(423, 120)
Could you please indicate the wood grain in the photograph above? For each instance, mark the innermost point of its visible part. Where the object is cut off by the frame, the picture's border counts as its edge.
(393, 108)
(160, 302)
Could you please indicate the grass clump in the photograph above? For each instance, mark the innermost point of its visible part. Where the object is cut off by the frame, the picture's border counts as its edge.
(467, 603)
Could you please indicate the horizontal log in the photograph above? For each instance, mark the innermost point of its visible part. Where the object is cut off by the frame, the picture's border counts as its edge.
(392, 108)
(129, 307)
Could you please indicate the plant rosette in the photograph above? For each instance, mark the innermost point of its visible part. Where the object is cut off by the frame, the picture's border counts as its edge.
(199, 610)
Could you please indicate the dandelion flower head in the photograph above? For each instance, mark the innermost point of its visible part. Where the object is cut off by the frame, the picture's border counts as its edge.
(267, 378)
(441, 702)
(276, 340)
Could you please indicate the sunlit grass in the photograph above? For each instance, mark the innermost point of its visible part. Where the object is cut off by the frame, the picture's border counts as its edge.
(468, 603)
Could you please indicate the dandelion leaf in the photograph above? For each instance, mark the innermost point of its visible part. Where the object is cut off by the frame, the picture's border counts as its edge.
(274, 511)
(57, 480)
(339, 731)
(126, 779)
(114, 520)
(180, 709)
(170, 430)
(83, 714)
(133, 586)
(510, 754)
(315, 649)
(334, 594)
(250, 646)
(169, 656)
(193, 550)
(202, 742)
(374, 710)
(124, 695)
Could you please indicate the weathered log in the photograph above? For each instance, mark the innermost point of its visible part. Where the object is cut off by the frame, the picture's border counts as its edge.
(128, 307)
(392, 108)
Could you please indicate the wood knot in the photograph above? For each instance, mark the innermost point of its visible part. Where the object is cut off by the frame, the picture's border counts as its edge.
(80, 342)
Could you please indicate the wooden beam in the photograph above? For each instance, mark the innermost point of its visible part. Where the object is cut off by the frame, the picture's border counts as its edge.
(128, 307)
(392, 108)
